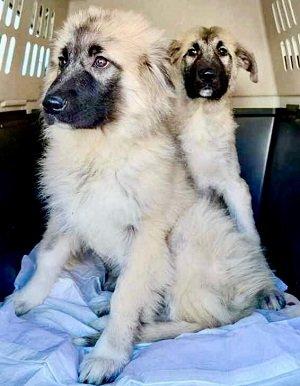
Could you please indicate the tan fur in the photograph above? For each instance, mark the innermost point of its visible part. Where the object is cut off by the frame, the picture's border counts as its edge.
(101, 182)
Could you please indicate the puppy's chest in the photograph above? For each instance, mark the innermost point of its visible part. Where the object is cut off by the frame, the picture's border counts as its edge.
(206, 146)
(97, 202)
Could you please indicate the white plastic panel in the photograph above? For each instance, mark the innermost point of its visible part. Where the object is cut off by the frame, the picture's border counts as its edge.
(26, 30)
(282, 19)
(10, 55)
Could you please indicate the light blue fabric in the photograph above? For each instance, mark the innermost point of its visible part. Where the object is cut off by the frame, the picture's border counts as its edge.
(36, 349)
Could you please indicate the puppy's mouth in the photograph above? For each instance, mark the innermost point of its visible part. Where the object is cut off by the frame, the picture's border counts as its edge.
(49, 119)
(208, 83)
(206, 91)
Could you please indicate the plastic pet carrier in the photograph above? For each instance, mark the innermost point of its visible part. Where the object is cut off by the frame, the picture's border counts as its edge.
(268, 143)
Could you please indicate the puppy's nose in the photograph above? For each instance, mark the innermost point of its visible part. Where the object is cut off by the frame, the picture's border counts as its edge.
(207, 75)
(53, 104)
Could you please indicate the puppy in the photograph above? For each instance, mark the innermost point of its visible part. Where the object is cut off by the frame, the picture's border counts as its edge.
(207, 61)
(108, 169)
(114, 185)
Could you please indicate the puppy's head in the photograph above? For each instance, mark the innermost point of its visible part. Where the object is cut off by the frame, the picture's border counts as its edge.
(106, 64)
(208, 59)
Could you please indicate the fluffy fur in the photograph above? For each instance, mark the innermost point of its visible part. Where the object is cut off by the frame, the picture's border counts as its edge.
(119, 189)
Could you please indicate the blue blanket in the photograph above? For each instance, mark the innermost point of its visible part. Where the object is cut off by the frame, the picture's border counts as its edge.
(37, 349)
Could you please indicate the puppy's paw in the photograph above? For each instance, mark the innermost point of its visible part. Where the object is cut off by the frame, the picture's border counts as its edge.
(91, 340)
(273, 300)
(100, 323)
(96, 369)
(87, 341)
(24, 301)
(101, 308)
(110, 284)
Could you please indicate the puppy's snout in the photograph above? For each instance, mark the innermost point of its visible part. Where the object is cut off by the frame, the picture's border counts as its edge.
(207, 75)
(53, 104)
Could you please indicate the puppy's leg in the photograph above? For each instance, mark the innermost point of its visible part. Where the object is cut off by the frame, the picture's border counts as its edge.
(166, 330)
(100, 323)
(51, 257)
(147, 271)
(101, 306)
(90, 340)
(238, 199)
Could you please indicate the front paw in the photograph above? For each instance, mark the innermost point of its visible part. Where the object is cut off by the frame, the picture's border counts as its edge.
(101, 308)
(97, 369)
(24, 301)
(91, 340)
(87, 341)
(100, 323)
(273, 300)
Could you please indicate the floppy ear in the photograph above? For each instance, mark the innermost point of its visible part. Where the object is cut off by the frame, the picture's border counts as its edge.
(174, 51)
(247, 61)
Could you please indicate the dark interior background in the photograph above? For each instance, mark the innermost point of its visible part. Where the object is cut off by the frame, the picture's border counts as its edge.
(21, 213)
(268, 143)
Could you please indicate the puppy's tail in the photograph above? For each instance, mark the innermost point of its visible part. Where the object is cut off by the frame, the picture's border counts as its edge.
(149, 332)
(87, 341)
(166, 330)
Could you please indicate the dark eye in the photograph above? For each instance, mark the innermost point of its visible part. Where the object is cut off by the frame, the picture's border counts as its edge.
(223, 51)
(62, 62)
(192, 52)
(100, 62)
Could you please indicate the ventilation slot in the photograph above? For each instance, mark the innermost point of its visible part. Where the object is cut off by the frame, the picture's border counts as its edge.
(18, 14)
(283, 54)
(33, 18)
(40, 62)
(26, 58)
(276, 18)
(47, 58)
(282, 23)
(9, 13)
(46, 23)
(292, 11)
(296, 52)
(39, 21)
(10, 55)
(7, 49)
(50, 35)
(1, 7)
(286, 13)
(33, 60)
(289, 54)
(3, 41)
